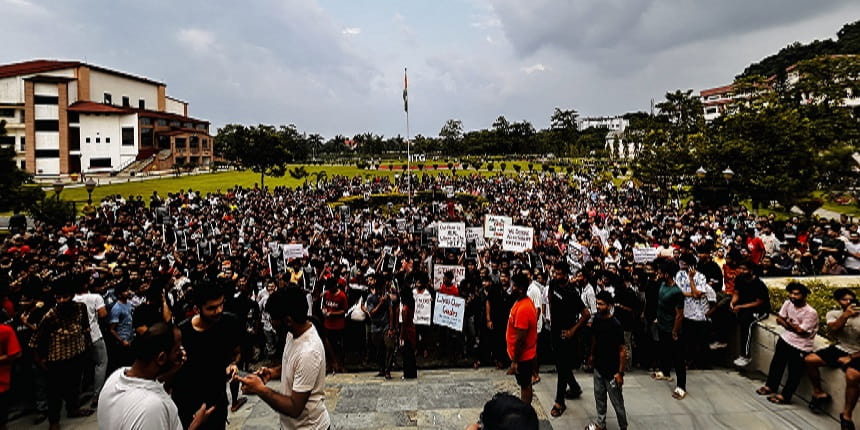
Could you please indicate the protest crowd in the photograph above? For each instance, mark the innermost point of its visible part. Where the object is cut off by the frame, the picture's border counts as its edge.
(395, 288)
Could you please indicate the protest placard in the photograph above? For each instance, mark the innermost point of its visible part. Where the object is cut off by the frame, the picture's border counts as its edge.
(423, 309)
(644, 255)
(476, 234)
(517, 238)
(494, 226)
(449, 311)
(451, 234)
(439, 271)
(293, 250)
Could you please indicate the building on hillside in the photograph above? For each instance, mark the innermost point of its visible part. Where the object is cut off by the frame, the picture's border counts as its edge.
(716, 101)
(68, 117)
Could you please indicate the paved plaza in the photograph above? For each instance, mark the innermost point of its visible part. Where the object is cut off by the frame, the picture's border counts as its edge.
(452, 399)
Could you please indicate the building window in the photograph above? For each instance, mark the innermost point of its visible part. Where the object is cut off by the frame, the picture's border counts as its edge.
(74, 117)
(45, 100)
(47, 153)
(100, 163)
(87, 140)
(711, 110)
(161, 122)
(107, 139)
(201, 126)
(179, 142)
(23, 143)
(141, 104)
(74, 139)
(205, 144)
(194, 142)
(47, 125)
(7, 113)
(23, 165)
(98, 139)
(188, 125)
(127, 136)
(146, 138)
(125, 101)
(174, 123)
(108, 99)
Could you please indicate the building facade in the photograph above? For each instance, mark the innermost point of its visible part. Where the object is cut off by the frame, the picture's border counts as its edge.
(69, 117)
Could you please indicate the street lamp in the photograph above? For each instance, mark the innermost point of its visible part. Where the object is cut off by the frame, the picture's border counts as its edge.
(728, 174)
(58, 186)
(90, 185)
(701, 172)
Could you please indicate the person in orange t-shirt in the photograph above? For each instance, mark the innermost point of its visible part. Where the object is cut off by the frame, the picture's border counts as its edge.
(521, 336)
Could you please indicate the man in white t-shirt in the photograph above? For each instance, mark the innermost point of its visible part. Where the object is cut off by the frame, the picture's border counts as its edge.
(852, 253)
(301, 401)
(134, 398)
(95, 310)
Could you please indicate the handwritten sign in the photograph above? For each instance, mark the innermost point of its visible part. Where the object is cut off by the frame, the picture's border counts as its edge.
(476, 234)
(449, 311)
(439, 271)
(293, 250)
(423, 308)
(517, 238)
(644, 255)
(451, 234)
(494, 226)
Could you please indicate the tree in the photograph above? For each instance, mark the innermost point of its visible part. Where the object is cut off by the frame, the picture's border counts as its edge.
(262, 149)
(13, 193)
(451, 134)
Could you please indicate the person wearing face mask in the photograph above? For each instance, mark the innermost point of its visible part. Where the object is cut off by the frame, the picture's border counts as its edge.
(801, 324)
(134, 397)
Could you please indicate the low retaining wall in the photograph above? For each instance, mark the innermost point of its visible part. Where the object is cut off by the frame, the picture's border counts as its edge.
(765, 335)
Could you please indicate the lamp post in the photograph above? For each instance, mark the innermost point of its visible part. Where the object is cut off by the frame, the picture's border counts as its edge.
(90, 185)
(58, 186)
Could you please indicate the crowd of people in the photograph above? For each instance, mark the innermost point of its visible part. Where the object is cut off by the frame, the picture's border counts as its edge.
(79, 298)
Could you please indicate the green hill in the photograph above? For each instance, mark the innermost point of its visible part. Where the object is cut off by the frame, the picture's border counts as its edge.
(847, 42)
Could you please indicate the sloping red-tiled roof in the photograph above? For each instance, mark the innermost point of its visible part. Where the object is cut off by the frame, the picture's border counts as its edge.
(40, 66)
(34, 66)
(717, 90)
(92, 107)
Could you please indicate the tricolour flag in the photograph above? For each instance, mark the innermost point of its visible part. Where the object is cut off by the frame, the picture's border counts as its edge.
(405, 98)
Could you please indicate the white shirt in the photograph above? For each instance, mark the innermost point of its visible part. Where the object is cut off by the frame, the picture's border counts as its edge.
(93, 302)
(852, 262)
(303, 370)
(695, 309)
(536, 294)
(847, 339)
(127, 403)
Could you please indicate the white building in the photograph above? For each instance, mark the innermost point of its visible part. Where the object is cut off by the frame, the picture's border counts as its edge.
(613, 123)
(65, 117)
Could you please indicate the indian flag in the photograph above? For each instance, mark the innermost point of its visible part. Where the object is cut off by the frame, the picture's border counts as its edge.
(405, 97)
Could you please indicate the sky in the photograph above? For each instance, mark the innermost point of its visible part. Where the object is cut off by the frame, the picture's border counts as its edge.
(336, 66)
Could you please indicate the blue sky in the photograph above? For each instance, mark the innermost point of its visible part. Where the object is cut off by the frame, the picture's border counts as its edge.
(336, 66)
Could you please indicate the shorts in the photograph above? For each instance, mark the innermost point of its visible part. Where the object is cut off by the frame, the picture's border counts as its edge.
(831, 356)
(524, 373)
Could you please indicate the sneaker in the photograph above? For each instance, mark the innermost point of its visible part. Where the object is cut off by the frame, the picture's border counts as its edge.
(717, 345)
(679, 393)
(742, 361)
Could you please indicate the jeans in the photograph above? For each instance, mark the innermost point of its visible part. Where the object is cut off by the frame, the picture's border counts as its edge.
(566, 359)
(746, 320)
(785, 355)
(606, 385)
(100, 359)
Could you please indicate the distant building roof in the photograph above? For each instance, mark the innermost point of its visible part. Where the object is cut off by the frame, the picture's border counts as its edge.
(717, 90)
(40, 66)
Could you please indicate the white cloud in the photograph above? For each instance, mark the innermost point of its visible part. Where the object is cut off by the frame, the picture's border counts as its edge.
(351, 31)
(487, 22)
(534, 68)
(25, 7)
(197, 40)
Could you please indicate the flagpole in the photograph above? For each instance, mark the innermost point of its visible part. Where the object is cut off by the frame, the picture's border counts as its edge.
(408, 143)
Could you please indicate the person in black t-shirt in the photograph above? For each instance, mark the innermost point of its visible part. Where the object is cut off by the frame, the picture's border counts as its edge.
(212, 343)
(569, 315)
(751, 303)
(608, 357)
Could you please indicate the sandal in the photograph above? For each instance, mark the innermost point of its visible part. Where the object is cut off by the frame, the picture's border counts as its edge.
(764, 391)
(777, 399)
(659, 376)
(238, 404)
(557, 410)
(816, 404)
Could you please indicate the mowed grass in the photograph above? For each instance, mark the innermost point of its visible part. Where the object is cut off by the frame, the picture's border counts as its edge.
(212, 182)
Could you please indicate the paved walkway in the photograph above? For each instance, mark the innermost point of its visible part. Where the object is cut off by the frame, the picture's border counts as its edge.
(452, 399)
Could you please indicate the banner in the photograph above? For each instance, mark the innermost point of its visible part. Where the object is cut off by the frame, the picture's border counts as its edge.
(644, 255)
(451, 234)
(439, 271)
(494, 226)
(476, 234)
(517, 238)
(293, 250)
(449, 311)
(423, 308)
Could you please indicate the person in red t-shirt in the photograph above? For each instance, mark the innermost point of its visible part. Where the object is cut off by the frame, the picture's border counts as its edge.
(755, 246)
(334, 306)
(10, 350)
(521, 336)
(448, 286)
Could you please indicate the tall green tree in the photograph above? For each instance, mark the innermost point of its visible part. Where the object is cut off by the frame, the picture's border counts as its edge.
(262, 149)
(13, 194)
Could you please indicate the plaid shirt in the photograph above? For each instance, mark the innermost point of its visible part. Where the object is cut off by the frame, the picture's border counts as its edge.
(58, 339)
